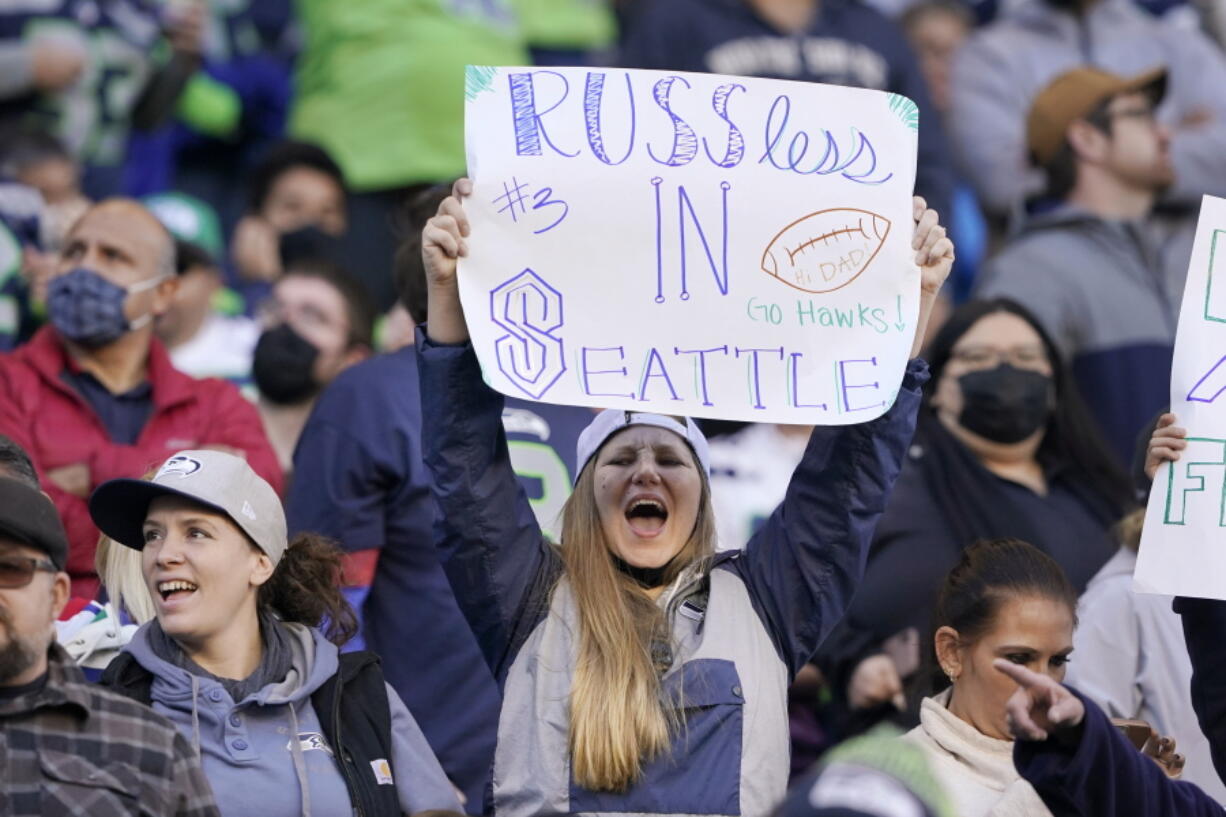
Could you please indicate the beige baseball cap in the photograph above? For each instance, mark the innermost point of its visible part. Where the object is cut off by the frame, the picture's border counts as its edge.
(218, 481)
(1071, 96)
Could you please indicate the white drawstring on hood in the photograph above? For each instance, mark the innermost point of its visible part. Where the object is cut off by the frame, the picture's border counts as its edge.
(196, 716)
(299, 765)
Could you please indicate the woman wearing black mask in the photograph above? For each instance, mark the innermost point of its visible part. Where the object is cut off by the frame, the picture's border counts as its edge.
(317, 323)
(1006, 449)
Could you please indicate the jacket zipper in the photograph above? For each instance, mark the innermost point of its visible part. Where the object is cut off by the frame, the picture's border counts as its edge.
(346, 759)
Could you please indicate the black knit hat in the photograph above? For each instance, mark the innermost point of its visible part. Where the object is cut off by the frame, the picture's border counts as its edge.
(29, 518)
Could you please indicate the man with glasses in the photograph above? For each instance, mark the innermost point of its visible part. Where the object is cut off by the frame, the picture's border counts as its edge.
(67, 746)
(93, 395)
(1093, 268)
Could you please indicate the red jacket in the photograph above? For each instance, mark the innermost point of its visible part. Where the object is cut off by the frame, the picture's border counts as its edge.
(51, 421)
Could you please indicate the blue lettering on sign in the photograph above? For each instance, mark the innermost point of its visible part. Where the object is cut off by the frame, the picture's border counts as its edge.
(786, 147)
(846, 388)
(529, 129)
(798, 149)
(794, 385)
(685, 141)
(515, 196)
(755, 380)
(593, 93)
(686, 206)
(654, 367)
(700, 369)
(530, 355)
(542, 199)
(586, 371)
(736, 140)
(1210, 387)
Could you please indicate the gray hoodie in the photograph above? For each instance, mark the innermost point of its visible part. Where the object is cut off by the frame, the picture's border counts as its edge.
(267, 754)
(1001, 68)
(1108, 293)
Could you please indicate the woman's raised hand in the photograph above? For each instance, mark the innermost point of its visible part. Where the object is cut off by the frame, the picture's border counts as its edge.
(443, 242)
(1164, 446)
(1040, 705)
(934, 254)
(934, 251)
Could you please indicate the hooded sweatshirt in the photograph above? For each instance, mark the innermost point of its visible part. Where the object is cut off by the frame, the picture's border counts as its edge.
(268, 751)
(1000, 70)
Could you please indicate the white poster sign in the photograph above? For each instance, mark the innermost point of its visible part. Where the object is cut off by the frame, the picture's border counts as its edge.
(1182, 549)
(690, 243)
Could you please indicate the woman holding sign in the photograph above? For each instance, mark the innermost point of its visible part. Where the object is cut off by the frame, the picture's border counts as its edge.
(643, 672)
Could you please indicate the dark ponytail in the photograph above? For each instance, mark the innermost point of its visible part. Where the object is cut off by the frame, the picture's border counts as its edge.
(306, 588)
(991, 572)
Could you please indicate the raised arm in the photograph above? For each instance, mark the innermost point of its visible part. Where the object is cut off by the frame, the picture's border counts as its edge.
(803, 565)
(444, 242)
(1080, 764)
(500, 566)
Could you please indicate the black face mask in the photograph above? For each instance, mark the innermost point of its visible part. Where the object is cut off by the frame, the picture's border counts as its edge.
(310, 243)
(1005, 405)
(283, 366)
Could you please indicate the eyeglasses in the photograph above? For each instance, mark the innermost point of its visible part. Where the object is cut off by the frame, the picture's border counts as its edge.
(1146, 114)
(989, 357)
(18, 571)
(272, 312)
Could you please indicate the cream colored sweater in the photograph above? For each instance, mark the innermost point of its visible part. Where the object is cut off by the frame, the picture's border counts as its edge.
(977, 771)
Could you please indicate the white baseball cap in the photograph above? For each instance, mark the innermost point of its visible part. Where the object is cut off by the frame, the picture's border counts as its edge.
(611, 421)
(218, 481)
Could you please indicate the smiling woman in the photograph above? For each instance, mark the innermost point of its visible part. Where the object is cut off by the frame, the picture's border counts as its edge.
(244, 649)
(642, 672)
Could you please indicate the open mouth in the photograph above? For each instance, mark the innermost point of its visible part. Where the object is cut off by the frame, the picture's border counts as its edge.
(646, 517)
(176, 590)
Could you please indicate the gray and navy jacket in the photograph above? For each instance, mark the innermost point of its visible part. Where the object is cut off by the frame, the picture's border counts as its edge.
(1108, 293)
(742, 625)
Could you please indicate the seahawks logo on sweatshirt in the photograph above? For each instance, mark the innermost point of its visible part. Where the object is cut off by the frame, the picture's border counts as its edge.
(310, 742)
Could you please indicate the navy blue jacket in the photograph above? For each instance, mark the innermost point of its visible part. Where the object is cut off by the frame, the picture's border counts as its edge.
(741, 626)
(359, 479)
(1204, 631)
(848, 43)
(1097, 772)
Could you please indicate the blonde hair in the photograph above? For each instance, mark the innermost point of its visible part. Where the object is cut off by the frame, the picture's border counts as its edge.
(617, 718)
(1128, 529)
(119, 567)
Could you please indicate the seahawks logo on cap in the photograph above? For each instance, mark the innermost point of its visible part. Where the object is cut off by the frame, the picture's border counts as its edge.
(181, 465)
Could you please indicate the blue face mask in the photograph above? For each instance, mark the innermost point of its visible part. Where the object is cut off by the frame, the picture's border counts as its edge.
(87, 309)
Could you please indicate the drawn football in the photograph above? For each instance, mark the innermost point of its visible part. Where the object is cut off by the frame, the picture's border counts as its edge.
(826, 250)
